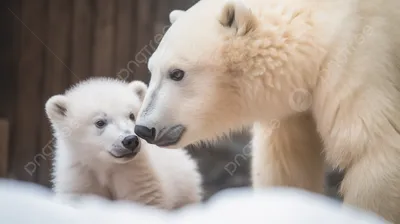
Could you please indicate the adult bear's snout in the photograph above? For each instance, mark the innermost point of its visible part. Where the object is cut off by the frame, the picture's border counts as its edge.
(145, 133)
(165, 137)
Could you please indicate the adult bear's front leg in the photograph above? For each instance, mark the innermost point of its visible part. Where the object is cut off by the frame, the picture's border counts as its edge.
(373, 183)
(288, 154)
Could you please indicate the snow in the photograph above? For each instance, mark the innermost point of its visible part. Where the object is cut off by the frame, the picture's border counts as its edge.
(22, 202)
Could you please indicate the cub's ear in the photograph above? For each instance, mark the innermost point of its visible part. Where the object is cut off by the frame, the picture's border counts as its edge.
(56, 108)
(237, 16)
(139, 87)
(175, 14)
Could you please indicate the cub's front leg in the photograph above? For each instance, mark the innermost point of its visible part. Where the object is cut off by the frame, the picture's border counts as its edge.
(288, 154)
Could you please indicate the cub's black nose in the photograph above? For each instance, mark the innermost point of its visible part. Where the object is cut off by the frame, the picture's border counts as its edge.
(130, 142)
(145, 133)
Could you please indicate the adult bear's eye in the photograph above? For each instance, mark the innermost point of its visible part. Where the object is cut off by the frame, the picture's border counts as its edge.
(132, 116)
(100, 123)
(177, 75)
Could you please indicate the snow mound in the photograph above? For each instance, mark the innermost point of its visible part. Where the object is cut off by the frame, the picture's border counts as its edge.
(29, 203)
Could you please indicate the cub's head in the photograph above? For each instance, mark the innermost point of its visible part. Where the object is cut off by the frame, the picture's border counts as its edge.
(97, 118)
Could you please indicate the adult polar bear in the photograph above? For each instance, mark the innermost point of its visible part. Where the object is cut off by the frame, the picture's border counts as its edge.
(224, 64)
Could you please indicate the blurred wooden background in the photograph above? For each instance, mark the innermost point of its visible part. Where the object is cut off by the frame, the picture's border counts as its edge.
(47, 45)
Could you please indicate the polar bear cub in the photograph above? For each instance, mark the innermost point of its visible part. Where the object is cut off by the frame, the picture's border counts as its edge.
(98, 153)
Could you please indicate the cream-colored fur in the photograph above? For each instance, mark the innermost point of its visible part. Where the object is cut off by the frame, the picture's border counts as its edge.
(82, 166)
(174, 15)
(244, 62)
(294, 150)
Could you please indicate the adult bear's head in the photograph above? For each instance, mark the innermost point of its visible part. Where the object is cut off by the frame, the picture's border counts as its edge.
(218, 68)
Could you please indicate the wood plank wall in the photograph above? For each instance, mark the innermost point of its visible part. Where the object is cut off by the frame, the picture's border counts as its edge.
(52, 44)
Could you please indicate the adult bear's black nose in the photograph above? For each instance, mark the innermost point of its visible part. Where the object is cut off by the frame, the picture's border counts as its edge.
(145, 133)
(130, 142)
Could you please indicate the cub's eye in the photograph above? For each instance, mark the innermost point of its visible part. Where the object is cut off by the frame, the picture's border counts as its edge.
(132, 116)
(100, 123)
(177, 75)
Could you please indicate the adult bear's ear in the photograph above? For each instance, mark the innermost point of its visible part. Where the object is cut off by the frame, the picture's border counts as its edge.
(237, 16)
(175, 14)
(56, 108)
(139, 88)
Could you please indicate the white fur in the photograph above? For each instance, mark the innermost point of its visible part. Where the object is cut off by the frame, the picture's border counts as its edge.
(175, 14)
(155, 176)
(246, 63)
